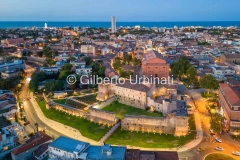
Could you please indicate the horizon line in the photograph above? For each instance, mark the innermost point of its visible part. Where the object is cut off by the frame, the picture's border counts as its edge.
(121, 21)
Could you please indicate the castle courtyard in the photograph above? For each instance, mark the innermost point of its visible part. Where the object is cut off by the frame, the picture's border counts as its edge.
(121, 109)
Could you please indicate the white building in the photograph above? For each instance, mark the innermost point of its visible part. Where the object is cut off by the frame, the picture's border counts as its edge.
(113, 23)
(45, 25)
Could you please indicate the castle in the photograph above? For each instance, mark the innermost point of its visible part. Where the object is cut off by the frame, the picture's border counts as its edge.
(162, 99)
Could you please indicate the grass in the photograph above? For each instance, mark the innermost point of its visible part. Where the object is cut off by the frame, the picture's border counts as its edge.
(191, 122)
(90, 99)
(75, 104)
(70, 103)
(90, 91)
(151, 140)
(148, 140)
(218, 156)
(61, 101)
(87, 128)
(209, 95)
(237, 138)
(122, 109)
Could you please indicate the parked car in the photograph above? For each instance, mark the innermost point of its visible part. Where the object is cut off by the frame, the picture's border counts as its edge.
(26, 123)
(219, 148)
(218, 140)
(236, 153)
(200, 149)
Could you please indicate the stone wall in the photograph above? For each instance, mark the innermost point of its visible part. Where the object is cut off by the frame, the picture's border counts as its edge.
(69, 110)
(105, 103)
(102, 117)
(171, 124)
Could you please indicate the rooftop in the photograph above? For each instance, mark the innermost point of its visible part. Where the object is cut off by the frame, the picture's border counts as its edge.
(100, 152)
(68, 144)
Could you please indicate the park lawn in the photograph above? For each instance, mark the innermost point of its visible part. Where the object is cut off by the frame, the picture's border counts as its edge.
(191, 122)
(89, 99)
(122, 109)
(209, 95)
(61, 101)
(148, 140)
(87, 128)
(218, 156)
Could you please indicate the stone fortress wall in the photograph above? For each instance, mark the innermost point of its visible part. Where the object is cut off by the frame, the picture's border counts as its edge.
(102, 117)
(170, 124)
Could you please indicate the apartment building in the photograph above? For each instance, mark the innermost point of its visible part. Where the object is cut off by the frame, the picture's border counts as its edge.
(33, 145)
(66, 148)
(16, 64)
(9, 137)
(229, 100)
(89, 49)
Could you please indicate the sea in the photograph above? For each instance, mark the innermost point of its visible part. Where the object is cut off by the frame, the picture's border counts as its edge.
(22, 24)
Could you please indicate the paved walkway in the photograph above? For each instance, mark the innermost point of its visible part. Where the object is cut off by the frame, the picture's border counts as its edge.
(66, 130)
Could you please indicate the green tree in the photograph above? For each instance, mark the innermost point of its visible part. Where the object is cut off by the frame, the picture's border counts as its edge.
(180, 67)
(136, 61)
(127, 58)
(209, 82)
(88, 60)
(63, 74)
(55, 85)
(66, 66)
(216, 122)
(47, 52)
(117, 64)
(35, 79)
(191, 74)
(101, 71)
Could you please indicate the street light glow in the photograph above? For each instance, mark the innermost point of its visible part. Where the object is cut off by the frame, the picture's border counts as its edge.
(28, 79)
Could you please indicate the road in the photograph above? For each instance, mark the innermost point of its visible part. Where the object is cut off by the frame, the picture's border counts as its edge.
(29, 109)
(35, 115)
(208, 143)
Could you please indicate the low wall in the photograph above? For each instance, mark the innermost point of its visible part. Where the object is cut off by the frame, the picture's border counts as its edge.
(68, 109)
(105, 103)
(102, 117)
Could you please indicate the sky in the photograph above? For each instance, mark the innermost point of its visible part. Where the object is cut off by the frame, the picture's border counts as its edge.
(123, 10)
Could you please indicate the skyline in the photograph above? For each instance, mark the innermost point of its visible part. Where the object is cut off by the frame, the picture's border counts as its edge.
(124, 11)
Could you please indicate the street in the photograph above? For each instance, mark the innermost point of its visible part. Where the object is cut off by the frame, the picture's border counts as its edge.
(208, 143)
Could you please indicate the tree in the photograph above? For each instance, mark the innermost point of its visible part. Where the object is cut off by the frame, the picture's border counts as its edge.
(209, 82)
(54, 53)
(180, 67)
(55, 85)
(63, 74)
(216, 122)
(101, 71)
(88, 60)
(136, 61)
(35, 79)
(66, 66)
(127, 58)
(117, 64)
(47, 51)
(191, 74)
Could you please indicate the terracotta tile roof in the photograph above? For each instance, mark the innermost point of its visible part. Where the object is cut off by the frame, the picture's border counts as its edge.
(231, 94)
(37, 140)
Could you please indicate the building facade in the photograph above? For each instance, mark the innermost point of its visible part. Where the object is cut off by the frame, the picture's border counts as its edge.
(154, 65)
(113, 24)
(229, 100)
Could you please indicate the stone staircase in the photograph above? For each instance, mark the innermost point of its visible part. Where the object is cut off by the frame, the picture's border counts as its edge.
(110, 132)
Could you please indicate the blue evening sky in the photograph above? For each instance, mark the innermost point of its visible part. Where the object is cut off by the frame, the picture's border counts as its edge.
(124, 10)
